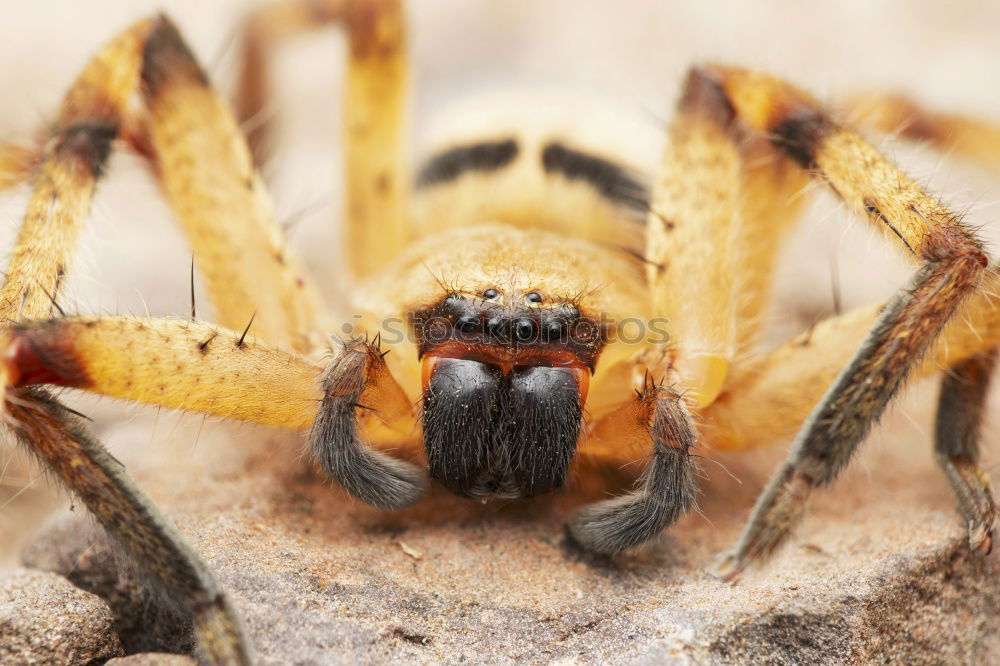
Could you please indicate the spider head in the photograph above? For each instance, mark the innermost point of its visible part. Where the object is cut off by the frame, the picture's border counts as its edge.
(505, 378)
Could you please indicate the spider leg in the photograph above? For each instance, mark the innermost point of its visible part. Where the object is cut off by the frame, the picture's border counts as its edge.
(207, 174)
(16, 163)
(144, 87)
(64, 181)
(62, 188)
(952, 265)
(956, 445)
(710, 222)
(216, 371)
(972, 138)
(722, 198)
(691, 243)
(657, 416)
(793, 377)
(374, 116)
(63, 441)
(175, 363)
(191, 139)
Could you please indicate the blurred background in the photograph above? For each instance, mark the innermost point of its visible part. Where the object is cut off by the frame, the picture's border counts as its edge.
(633, 53)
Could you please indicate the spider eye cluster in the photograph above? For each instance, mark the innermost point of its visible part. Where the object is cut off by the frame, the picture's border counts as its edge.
(523, 330)
(460, 317)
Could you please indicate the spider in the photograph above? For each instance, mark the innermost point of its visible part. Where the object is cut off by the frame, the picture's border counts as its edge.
(508, 265)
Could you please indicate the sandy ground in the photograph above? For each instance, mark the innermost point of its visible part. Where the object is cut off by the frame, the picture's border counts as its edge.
(132, 260)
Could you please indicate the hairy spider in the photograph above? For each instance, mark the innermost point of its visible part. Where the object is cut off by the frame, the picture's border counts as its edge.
(501, 276)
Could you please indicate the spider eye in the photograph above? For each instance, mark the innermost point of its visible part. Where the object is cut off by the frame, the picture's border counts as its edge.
(554, 329)
(571, 312)
(468, 323)
(533, 297)
(524, 330)
(498, 327)
(490, 294)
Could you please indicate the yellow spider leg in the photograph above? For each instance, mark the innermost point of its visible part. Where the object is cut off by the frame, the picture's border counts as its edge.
(972, 138)
(867, 182)
(375, 98)
(64, 183)
(691, 245)
(194, 366)
(794, 376)
(709, 220)
(206, 171)
(721, 201)
(16, 163)
(92, 115)
(174, 363)
(99, 107)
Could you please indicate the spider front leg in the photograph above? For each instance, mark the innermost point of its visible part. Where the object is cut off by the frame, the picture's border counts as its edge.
(953, 262)
(213, 371)
(792, 379)
(173, 363)
(721, 204)
(219, 372)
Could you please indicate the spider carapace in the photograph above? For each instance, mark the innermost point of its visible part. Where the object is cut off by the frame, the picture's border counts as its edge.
(524, 281)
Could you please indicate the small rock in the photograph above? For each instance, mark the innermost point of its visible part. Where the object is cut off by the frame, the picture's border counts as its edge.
(44, 619)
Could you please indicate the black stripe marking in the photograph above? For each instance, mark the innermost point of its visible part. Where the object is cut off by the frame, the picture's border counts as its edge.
(450, 164)
(89, 143)
(613, 181)
(166, 58)
(799, 134)
(704, 95)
